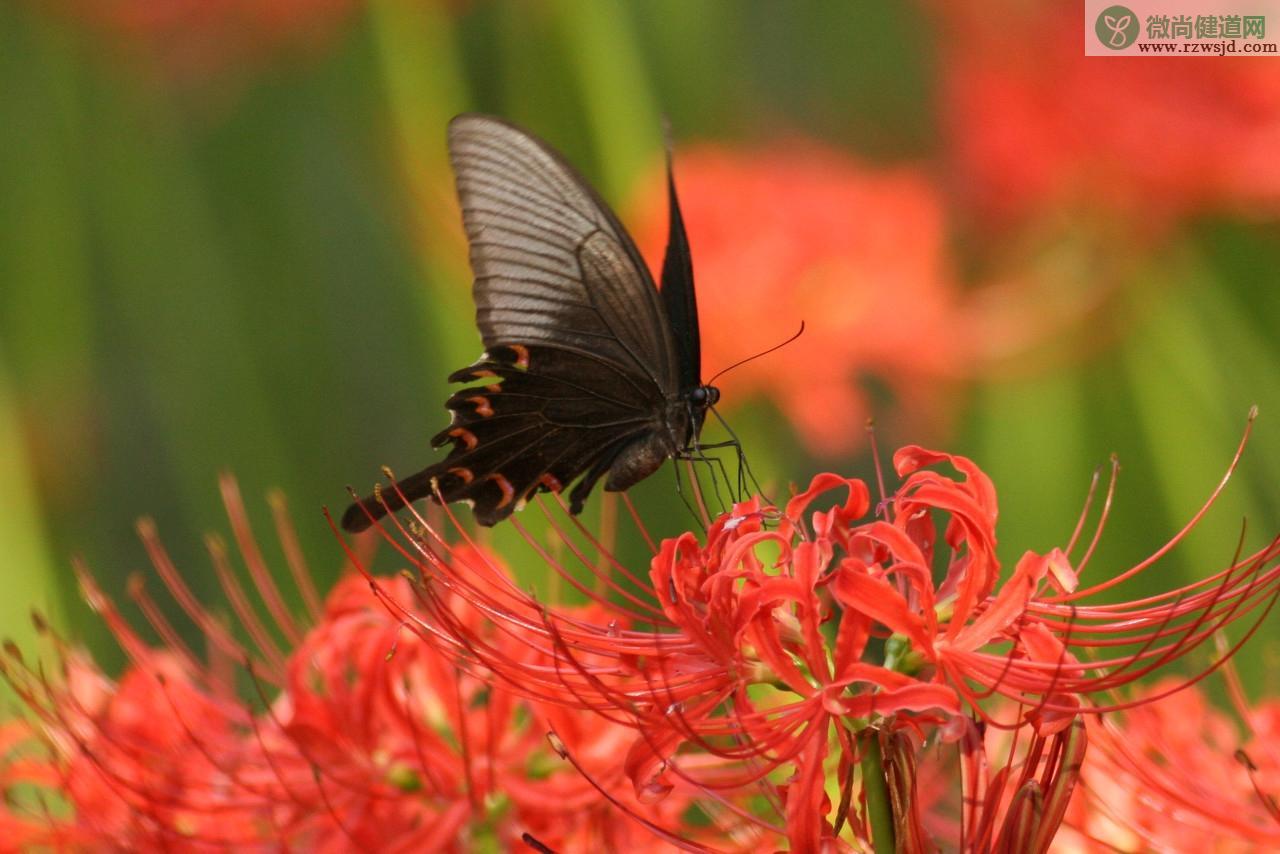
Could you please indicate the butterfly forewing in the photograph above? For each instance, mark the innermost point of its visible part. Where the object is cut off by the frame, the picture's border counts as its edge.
(551, 263)
(678, 294)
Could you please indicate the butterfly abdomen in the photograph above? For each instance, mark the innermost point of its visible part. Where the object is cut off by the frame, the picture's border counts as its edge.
(637, 460)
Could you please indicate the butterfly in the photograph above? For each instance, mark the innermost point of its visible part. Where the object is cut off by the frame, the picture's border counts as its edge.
(589, 370)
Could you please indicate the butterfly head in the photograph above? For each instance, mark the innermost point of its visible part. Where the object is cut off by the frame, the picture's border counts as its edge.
(704, 396)
(697, 401)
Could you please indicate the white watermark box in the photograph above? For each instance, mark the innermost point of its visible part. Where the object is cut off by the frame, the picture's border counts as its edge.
(1186, 28)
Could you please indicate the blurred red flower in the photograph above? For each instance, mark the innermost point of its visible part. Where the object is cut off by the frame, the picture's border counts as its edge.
(1034, 125)
(806, 233)
(192, 39)
(367, 737)
(1181, 775)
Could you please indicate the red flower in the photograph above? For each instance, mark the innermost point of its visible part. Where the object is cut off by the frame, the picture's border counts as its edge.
(749, 655)
(1034, 123)
(1180, 775)
(124, 755)
(1008, 791)
(195, 38)
(805, 233)
(367, 737)
(733, 675)
(1033, 639)
(777, 678)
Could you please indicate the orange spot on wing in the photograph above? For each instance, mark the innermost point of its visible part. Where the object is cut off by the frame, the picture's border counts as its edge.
(508, 491)
(551, 482)
(468, 438)
(522, 356)
(462, 474)
(478, 373)
(483, 409)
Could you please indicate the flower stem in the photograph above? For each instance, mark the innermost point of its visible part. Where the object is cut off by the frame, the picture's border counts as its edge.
(879, 811)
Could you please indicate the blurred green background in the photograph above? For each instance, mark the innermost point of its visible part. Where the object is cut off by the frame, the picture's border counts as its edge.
(233, 249)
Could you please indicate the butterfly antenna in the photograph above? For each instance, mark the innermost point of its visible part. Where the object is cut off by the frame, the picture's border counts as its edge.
(741, 362)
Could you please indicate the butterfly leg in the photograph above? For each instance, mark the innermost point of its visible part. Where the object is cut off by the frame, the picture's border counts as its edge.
(743, 464)
(701, 456)
(695, 454)
(698, 517)
(697, 451)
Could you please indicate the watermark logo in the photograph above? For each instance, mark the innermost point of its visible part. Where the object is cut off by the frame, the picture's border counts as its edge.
(1182, 28)
(1117, 27)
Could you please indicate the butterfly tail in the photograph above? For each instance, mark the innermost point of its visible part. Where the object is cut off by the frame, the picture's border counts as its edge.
(362, 514)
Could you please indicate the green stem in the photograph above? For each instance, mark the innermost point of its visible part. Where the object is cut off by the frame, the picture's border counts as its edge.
(424, 86)
(32, 581)
(874, 785)
(616, 94)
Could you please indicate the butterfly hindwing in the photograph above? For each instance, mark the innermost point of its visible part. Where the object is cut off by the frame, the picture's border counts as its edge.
(542, 419)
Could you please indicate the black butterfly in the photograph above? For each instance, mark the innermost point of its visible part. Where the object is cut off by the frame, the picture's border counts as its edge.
(590, 370)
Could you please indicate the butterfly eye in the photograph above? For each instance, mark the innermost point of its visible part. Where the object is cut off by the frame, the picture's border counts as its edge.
(704, 395)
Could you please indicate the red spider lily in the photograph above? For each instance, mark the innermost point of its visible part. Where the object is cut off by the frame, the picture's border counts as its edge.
(1006, 791)
(1032, 639)
(1020, 807)
(1180, 775)
(857, 253)
(1034, 123)
(721, 666)
(193, 39)
(748, 656)
(370, 739)
(778, 674)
